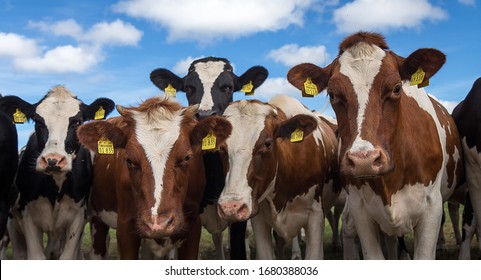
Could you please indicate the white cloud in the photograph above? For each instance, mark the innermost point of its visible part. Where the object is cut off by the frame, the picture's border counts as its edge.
(28, 56)
(103, 33)
(182, 66)
(292, 54)
(468, 2)
(384, 15)
(61, 59)
(114, 33)
(449, 105)
(15, 45)
(209, 20)
(274, 86)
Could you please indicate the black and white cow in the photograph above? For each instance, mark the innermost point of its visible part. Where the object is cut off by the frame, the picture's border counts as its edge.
(8, 166)
(54, 175)
(468, 120)
(211, 83)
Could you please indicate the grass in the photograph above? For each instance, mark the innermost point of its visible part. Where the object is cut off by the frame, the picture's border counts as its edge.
(207, 251)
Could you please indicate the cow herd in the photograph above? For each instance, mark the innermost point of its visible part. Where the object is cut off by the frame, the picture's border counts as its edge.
(160, 171)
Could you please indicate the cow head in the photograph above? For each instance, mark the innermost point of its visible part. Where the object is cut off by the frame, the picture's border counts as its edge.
(210, 83)
(366, 84)
(57, 117)
(159, 157)
(257, 128)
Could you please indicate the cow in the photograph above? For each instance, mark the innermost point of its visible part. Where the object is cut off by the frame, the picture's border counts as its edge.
(281, 185)
(8, 167)
(467, 119)
(54, 175)
(150, 186)
(211, 83)
(400, 152)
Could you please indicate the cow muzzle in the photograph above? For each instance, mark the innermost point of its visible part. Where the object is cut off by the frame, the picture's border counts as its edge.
(366, 163)
(52, 163)
(234, 211)
(163, 225)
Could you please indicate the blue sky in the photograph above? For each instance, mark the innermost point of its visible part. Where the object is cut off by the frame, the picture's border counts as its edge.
(108, 48)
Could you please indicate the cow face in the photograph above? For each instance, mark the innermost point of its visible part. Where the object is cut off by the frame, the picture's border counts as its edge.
(57, 117)
(366, 84)
(154, 146)
(252, 154)
(210, 83)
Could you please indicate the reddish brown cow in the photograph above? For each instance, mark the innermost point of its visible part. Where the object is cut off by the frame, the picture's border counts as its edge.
(400, 150)
(282, 183)
(152, 186)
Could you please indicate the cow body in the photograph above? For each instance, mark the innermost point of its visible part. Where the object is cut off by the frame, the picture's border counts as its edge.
(280, 185)
(400, 151)
(467, 118)
(54, 177)
(151, 187)
(211, 83)
(8, 167)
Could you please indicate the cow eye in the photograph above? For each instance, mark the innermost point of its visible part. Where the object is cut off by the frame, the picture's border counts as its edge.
(226, 88)
(75, 123)
(131, 164)
(268, 143)
(189, 89)
(397, 89)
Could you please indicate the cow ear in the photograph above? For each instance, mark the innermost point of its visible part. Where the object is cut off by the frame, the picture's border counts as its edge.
(429, 60)
(219, 126)
(89, 134)
(163, 77)
(302, 122)
(299, 74)
(10, 104)
(99, 109)
(255, 75)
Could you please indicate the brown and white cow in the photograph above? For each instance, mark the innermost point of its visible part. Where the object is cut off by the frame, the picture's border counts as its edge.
(400, 152)
(281, 185)
(152, 186)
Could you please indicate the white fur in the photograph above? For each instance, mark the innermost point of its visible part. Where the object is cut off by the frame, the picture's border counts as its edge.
(157, 137)
(56, 109)
(361, 64)
(64, 223)
(208, 73)
(247, 121)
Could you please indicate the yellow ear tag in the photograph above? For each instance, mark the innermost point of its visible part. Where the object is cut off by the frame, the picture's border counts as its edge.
(247, 88)
(19, 117)
(100, 114)
(105, 147)
(297, 135)
(310, 88)
(170, 90)
(417, 77)
(209, 142)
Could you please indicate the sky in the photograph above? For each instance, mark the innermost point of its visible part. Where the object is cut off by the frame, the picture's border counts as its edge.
(108, 48)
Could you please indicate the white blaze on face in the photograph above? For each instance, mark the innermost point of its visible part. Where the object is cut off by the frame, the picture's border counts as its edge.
(56, 110)
(157, 137)
(247, 121)
(208, 73)
(361, 63)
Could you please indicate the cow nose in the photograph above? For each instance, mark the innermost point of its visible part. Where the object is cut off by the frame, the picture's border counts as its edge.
(233, 211)
(205, 113)
(163, 224)
(367, 163)
(53, 162)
